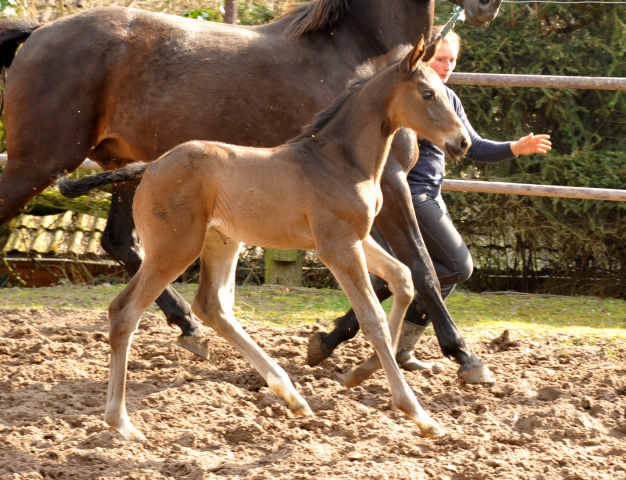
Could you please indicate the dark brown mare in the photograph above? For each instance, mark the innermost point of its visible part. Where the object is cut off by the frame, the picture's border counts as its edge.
(319, 191)
(119, 85)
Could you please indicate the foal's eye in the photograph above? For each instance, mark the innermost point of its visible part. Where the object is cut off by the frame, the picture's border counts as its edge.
(427, 95)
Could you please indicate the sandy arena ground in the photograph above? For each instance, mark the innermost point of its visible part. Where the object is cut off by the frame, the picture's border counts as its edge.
(555, 413)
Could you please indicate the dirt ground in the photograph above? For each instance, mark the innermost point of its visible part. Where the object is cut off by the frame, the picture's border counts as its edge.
(555, 413)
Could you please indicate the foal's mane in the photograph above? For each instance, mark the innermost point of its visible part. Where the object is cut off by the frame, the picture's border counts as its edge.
(363, 74)
(314, 16)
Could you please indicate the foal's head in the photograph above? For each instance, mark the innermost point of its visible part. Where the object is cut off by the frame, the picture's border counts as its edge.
(421, 104)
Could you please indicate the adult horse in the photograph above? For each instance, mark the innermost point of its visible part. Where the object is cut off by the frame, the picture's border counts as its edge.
(206, 197)
(119, 85)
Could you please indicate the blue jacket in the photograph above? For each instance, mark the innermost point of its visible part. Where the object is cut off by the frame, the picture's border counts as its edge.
(427, 174)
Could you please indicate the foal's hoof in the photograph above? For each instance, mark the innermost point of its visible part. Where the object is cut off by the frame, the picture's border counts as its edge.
(197, 344)
(433, 431)
(479, 374)
(294, 400)
(414, 364)
(124, 427)
(132, 434)
(300, 408)
(317, 352)
(354, 378)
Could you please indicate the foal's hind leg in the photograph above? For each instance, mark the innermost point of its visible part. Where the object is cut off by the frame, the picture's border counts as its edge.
(124, 314)
(161, 266)
(120, 241)
(347, 262)
(213, 304)
(398, 277)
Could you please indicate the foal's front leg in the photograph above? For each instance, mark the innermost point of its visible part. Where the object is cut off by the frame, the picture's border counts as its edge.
(347, 263)
(398, 277)
(214, 305)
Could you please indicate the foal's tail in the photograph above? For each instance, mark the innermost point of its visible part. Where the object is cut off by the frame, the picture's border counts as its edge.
(76, 188)
(12, 33)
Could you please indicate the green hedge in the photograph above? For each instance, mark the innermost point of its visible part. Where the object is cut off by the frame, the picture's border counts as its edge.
(533, 243)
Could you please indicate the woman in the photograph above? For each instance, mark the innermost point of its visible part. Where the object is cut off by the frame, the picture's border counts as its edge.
(450, 256)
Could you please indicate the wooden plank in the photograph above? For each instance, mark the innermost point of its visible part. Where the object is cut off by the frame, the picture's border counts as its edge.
(535, 190)
(538, 81)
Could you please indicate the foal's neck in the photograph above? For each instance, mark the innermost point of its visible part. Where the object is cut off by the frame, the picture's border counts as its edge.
(363, 129)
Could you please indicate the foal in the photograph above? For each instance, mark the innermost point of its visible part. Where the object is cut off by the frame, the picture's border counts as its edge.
(319, 191)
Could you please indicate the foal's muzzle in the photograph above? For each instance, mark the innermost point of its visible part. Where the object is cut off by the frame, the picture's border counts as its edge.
(458, 148)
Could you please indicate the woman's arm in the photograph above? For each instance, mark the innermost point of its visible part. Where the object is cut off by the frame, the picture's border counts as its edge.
(489, 151)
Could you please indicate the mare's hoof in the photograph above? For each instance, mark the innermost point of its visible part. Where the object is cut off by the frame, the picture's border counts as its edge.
(434, 431)
(479, 374)
(197, 344)
(316, 351)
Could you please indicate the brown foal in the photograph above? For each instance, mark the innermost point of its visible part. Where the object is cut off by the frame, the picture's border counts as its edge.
(319, 191)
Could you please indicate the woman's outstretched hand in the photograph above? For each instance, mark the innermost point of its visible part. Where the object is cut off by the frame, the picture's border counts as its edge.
(531, 144)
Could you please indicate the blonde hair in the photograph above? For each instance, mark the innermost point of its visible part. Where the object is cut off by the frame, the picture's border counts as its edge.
(451, 37)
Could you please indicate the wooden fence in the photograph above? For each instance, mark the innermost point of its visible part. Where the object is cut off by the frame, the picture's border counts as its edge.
(282, 267)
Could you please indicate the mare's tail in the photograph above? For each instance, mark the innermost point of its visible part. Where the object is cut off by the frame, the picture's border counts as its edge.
(12, 33)
(76, 188)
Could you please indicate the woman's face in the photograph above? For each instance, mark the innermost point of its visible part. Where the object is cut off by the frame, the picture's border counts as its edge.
(445, 60)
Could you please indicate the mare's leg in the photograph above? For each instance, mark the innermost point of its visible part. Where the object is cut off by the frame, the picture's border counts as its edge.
(25, 177)
(120, 241)
(45, 133)
(37, 154)
(347, 262)
(397, 222)
(452, 262)
(214, 305)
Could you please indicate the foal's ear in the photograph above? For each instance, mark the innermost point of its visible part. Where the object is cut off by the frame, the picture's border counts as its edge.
(414, 56)
(431, 50)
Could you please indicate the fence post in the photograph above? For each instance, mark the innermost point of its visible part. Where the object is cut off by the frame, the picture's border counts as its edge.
(283, 267)
(230, 14)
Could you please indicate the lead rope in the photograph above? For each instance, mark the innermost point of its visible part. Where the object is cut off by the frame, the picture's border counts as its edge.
(459, 15)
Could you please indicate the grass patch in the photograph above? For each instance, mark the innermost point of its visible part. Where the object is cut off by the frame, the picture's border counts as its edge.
(478, 315)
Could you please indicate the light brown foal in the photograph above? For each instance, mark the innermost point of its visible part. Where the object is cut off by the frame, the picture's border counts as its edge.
(320, 191)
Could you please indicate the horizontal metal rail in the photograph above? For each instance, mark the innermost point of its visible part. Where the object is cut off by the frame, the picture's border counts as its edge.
(538, 81)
